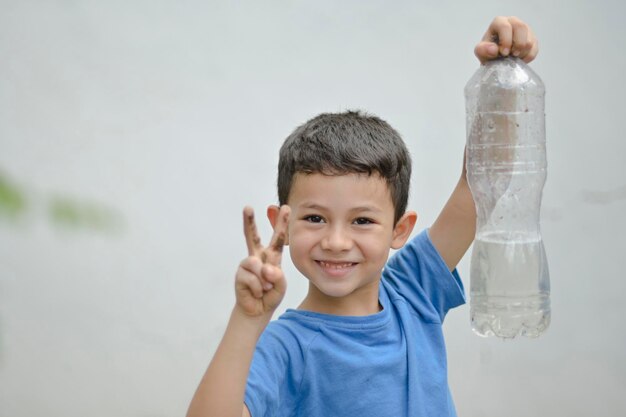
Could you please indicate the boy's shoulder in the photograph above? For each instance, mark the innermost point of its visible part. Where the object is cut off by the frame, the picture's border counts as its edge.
(417, 275)
(290, 330)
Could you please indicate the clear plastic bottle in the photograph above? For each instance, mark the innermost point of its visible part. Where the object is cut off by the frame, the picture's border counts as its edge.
(506, 171)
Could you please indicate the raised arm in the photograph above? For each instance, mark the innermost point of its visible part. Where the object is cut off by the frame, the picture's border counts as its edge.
(260, 286)
(453, 231)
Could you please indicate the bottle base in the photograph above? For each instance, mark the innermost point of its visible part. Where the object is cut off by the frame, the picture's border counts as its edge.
(507, 321)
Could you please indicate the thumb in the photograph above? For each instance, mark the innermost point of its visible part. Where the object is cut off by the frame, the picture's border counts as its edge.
(486, 51)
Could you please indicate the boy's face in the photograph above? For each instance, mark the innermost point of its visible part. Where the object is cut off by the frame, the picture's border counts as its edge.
(340, 232)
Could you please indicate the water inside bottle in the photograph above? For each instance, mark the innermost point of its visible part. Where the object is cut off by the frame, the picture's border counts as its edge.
(506, 301)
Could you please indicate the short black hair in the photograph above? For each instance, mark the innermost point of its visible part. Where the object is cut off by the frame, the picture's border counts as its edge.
(345, 143)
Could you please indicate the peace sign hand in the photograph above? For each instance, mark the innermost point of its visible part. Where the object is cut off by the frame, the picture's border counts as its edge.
(260, 283)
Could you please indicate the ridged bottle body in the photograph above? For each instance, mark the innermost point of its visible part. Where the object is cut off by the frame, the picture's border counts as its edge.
(506, 172)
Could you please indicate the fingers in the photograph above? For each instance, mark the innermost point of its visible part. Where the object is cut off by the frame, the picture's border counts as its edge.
(524, 42)
(511, 36)
(248, 277)
(261, 270)
(500, 32)
(260, 283)
(273, 253)
(531, 49)
(520, 37)
(253, 241)
(486, 51)
(259, 278)
(273, 275)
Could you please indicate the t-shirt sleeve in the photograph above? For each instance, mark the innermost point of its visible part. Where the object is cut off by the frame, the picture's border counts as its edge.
(418, 273)
(271, 373)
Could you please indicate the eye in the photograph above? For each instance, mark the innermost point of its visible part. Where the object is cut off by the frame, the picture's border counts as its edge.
(314, 219)
(363, 221)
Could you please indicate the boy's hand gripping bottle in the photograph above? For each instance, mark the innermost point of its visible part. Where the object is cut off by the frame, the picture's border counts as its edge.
(506, 172)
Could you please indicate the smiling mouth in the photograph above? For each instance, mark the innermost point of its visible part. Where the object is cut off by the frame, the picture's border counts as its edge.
(337, 269)
(336, 265)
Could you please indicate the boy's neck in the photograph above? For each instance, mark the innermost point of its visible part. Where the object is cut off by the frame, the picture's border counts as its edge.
(363, 303)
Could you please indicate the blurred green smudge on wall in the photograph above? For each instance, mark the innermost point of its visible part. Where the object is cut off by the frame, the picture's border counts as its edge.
(12, 201)
(67, 212)
(62, 211)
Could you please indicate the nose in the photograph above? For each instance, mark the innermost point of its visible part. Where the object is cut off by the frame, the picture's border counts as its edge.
(336, 240)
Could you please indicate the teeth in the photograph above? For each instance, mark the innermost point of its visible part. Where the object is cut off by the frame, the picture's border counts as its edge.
(335, 265)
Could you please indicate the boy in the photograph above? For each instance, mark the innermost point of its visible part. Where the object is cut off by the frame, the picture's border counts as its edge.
(365, 341)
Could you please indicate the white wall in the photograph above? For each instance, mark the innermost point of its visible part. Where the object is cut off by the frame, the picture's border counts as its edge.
(168, 116)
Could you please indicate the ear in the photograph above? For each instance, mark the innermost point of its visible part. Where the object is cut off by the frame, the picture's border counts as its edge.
(403, 228)
(272, 216)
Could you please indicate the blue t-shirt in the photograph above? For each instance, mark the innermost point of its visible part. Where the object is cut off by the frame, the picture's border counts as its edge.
(392, 363)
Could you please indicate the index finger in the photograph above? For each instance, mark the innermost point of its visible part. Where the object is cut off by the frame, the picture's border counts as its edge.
(253, 241)
(274, 251)
(500, 32)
